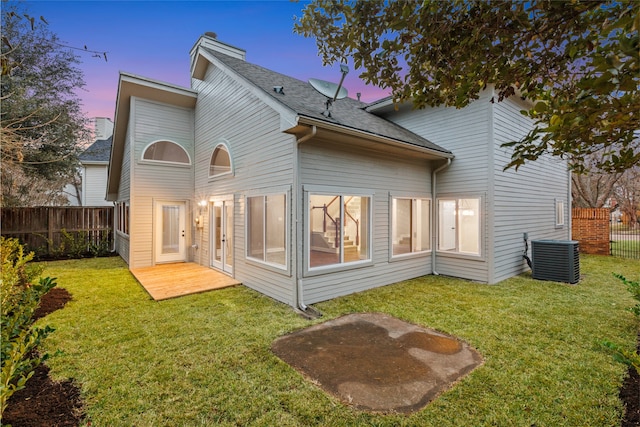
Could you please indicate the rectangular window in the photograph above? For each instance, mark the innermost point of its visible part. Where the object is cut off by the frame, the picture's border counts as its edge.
(459, 225)
(559, 213)
(410, 225)
(123, 217)
(339, 229)
(267, 229)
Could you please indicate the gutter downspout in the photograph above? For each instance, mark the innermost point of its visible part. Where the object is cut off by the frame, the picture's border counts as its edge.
(306, 311)
(434, 212)
(306, 137)
(115, 226)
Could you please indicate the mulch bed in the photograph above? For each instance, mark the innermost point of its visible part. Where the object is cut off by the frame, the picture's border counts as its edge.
(630, 396)
(43, 402)
(53, 300)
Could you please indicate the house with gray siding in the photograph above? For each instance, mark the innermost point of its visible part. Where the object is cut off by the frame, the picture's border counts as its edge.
(250, 173)
(94, 163)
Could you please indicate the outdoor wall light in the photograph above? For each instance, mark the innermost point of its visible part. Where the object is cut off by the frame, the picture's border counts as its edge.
(199, 219)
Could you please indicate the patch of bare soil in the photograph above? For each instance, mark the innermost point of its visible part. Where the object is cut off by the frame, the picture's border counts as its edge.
(53, 300)
(630, 396)
(376, 362)
(43, 402)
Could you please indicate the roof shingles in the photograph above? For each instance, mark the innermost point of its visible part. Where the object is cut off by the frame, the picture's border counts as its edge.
(99, 151)
(304, 100)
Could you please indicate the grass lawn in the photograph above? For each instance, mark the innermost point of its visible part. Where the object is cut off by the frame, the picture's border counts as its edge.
(205, 359)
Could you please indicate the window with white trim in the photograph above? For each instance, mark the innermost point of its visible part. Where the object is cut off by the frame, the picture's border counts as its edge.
(267, 229)
(559, 213)
(339, 230)
(459, 225)
(220, 163)
(123, 217)
(166, 152)
(410, 225)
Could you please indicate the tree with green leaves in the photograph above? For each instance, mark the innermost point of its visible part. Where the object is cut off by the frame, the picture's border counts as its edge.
(577, 62)
(41, 115)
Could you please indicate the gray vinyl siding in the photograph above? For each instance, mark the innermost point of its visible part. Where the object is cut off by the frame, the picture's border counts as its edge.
(95, 185)
(331, 165)
(513, 202)
(155, 181)
(524, 200)
(124, 190)
(466, 132)
(123, 242)
(262, 159)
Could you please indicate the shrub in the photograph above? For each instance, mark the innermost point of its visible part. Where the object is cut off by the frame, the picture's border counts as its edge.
(103, 246)
(75, 245)
(20, 298)
(634, 288)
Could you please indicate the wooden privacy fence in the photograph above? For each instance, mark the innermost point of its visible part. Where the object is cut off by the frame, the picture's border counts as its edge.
(53, 231)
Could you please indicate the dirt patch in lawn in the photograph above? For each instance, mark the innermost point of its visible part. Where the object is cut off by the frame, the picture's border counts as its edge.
(376, 362)
(43, 402)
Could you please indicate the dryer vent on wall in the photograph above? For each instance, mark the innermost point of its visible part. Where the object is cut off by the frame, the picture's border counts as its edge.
(556, 260)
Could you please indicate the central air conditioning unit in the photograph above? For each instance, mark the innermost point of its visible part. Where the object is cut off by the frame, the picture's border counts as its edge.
(556, 260)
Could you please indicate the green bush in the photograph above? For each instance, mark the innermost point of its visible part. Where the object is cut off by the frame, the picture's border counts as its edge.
(20, 298)
(103, 246)
(634, 288)
(75, 245)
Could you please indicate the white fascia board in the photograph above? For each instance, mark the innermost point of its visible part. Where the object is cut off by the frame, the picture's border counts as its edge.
(372, 137)
(140, 86)
(387, 105)
(94, 162)
(220, 46)
(381, 104)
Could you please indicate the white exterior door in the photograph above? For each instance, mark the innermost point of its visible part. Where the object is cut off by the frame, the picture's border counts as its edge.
(170, 232)
(222, 235)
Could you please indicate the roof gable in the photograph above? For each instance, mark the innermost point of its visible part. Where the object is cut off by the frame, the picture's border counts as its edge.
(129, 86)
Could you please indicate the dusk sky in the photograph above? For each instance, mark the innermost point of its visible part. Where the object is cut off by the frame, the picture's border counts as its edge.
(153, 39)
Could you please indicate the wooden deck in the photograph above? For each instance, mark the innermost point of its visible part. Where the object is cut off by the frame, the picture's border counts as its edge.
(164, 281)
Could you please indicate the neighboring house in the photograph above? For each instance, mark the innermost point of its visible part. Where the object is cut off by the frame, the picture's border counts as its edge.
(91, 187)
(244, 172)
(94, 172)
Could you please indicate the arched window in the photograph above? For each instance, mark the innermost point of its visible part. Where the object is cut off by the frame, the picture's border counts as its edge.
(220, 161)
(166, 151)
